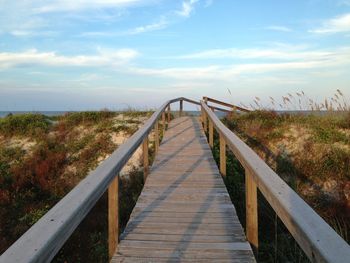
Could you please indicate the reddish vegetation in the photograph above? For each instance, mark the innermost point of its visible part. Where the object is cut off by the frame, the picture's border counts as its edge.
(41, 161)
(310, 152)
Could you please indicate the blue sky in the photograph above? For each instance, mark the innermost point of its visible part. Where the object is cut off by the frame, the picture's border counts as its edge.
(92, 54)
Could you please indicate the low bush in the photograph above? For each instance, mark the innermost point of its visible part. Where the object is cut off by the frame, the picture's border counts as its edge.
(86, 117)
(32, 125)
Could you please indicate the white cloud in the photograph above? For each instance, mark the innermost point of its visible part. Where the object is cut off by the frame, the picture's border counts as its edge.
(187, 8)
(280, 53)
(76, 5)
(135, 31)
(33, 57)
(29, 18)
(334, 25)
(279, 28)
(302, 61)
(148, 28)
(30, 33)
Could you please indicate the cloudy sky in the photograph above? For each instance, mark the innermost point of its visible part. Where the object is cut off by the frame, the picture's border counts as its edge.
(91, 54)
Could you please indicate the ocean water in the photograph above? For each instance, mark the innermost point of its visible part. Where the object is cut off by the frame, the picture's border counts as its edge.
(47, 113)
(58, 113)
(193, 113)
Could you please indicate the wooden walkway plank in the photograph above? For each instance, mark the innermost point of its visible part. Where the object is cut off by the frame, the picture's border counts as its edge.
(184, 213)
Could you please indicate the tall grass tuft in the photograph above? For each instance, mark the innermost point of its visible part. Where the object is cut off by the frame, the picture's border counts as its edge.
(299, 101)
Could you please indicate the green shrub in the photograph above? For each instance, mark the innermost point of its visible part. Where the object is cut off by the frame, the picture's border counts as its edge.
(24, 125)
(326, 134)
(86, 117)
(133, 113)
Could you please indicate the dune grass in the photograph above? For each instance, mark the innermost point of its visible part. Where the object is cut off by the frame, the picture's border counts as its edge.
(61, 152)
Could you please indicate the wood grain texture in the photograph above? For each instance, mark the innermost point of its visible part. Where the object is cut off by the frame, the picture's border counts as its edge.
(45, 238)
(163, 124)
(181, 107)
(156, 137)
(211, 134)
(184, 213)
(145, 158)
(251, 211)
(113, 216)
(169, 114)
(233, 107)
(205, 122)
(222, 155)
(318, 240)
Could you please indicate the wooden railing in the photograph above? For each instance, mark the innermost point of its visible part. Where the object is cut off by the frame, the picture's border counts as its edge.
(45, 238)
(221, 103)
(317, 239)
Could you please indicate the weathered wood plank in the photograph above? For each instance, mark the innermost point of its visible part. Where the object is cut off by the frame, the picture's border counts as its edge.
(44, 239)
(143, 214)
(173, 260)
(251, 211)
(318, 240)
(145, 158)
(184, 238)
(211, 134)
(184, 211)
(194, 254)
(181, 107)
(156, 136)
(113, 216)
(222, 155)
(189, 245)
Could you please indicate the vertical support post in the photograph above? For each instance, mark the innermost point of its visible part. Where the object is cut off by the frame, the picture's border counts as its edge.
(222, 155)
(163, 123)
(205, 123)
(113, 217)
(169, 117)
(181, 107)
(202, 115)
(211, 133)
(145, 158)
(156, 136)
(251, 211)
(205, 100)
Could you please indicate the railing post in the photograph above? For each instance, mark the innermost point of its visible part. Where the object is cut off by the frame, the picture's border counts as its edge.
(222, 155)
(181, 107)
(251, 210)
(113, 217)
(169, 117)
(156, 136)
(163, 122)
(211, 133)
(145, 158)
(205, 121)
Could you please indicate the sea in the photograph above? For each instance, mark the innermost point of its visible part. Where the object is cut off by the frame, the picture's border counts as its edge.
(47, 113)
(193, 113)
(59, 113)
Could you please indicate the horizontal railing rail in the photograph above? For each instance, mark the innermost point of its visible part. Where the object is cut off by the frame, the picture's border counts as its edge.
(315, 237)
(46, 237)
(212, 107)
(231, 106)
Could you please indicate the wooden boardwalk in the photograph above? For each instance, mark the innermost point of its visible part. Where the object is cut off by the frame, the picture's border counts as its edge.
(184, 213)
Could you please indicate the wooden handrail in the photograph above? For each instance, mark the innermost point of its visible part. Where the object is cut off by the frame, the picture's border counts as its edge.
(212, 107)
(234, 107)
(317, 239)
(45, 238)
